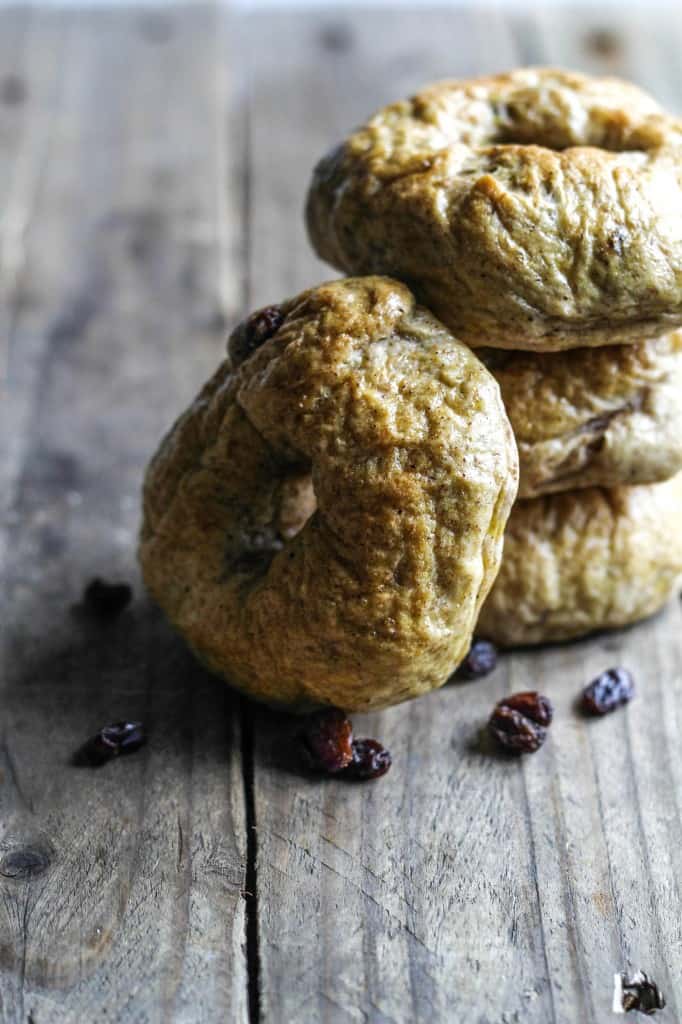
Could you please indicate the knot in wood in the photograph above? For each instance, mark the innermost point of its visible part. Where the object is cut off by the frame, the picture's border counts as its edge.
(25, 862)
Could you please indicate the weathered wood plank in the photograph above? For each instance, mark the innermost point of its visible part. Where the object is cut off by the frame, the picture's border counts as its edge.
(139, 913)
(463, 886)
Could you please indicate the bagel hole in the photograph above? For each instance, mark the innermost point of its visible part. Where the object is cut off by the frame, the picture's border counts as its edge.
(296, 505)
(252, 550)
(258, 548)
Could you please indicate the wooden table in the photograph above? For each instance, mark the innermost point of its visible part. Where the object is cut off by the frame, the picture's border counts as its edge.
(152, 171)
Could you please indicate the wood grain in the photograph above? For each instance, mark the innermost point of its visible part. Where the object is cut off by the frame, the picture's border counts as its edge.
(153, 167)
(121, 889)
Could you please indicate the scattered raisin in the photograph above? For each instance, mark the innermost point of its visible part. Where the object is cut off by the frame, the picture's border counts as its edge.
(106, 600)
(639, 992)
(253, 332)
(327, 741)
(532, 705)
(109, 742)
(371, 760)
(480, 661)
(607, 692)
(519, 722)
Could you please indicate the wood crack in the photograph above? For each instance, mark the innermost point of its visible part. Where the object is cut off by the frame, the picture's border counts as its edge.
(251, 879)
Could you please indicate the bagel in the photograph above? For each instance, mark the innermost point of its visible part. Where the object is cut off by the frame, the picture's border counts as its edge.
(588, 417)
(537, 210)
(587, 560)
(372, 600)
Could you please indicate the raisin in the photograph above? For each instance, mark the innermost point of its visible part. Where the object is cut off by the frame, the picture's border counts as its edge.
(111, 741)
(327, 741)
(106, 600)
(639, 992)
(519, 722)
(607, 692)
(254, 332)
(371, 760)
(531, 704)
(480, 661)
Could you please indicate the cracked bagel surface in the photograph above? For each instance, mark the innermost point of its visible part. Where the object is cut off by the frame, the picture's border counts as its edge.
(582, 561)
(540, 209)
(586, 417)
(364, 591)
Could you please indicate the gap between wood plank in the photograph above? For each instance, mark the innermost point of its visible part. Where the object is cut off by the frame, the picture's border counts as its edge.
(251, 879)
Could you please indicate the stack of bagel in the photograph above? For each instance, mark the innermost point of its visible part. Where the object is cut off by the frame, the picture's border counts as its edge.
(538, 214)
(333, 516)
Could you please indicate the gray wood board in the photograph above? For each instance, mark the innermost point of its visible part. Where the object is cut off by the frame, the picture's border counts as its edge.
(121, 890)
(153, 166)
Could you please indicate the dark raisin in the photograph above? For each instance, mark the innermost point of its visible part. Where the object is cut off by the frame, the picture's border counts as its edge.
(106, 600)
(327, 741)
(480, 661)
(519, 722)
(607, 692)
(253, 332)
(370, 760)
(639, 992)
(109, 742)
(531, 704)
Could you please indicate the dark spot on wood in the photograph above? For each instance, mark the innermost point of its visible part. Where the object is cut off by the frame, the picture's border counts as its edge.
(51, 541)
(336, 38)
(604, 43)
(12, 90)
(146, 234)
(216, 322)
(55, 471)
(25, 862)
(74, 321)
(155, 27)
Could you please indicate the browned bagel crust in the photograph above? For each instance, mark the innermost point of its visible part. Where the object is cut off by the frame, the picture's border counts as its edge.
(414, 466)
(539, 209)
(601, 416)
(583, 561)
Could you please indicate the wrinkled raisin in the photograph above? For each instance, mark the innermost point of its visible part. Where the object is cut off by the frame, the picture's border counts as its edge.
(106, 600)
(480, 661)
(519, 722)
(327, 741)
(607, 692)
(371, 760)
(111, 741)
(531, 704)
(254, 332)
(639, 992)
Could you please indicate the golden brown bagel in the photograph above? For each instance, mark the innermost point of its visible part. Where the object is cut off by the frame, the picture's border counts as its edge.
(605, 416)
(540, 209)
(585, 560)
(373, 599)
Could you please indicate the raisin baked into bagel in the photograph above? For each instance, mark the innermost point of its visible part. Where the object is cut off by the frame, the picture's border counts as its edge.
(373, 599)
(600, 416)
(585, 560)
(539, 209)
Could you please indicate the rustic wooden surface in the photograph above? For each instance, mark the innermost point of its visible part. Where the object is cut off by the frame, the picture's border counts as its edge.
(152, 171)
